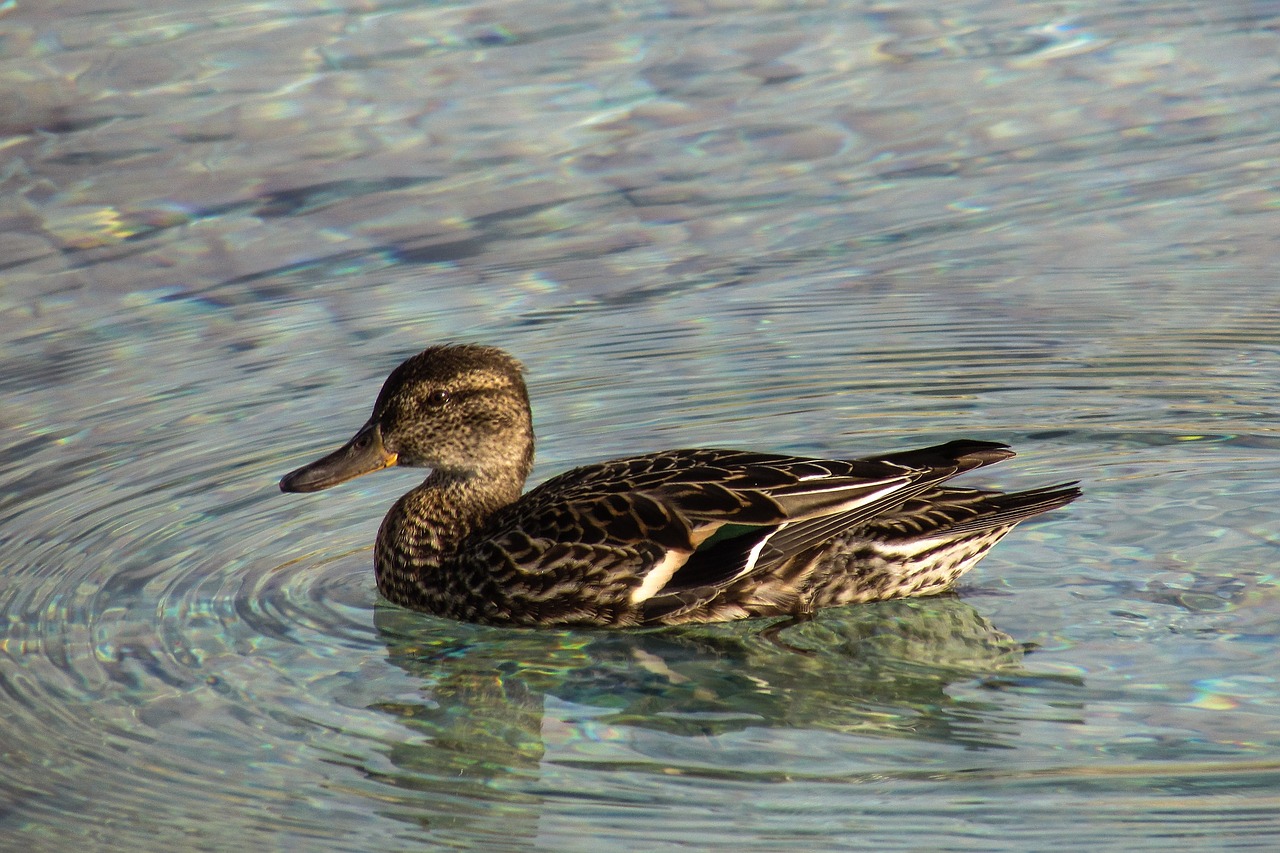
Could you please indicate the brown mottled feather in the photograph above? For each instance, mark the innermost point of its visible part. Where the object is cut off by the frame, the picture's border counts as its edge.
(679, 536)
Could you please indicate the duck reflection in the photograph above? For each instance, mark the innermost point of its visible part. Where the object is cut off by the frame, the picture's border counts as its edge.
(880, 670)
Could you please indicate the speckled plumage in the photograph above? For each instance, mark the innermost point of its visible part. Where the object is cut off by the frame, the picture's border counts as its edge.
(667, 538)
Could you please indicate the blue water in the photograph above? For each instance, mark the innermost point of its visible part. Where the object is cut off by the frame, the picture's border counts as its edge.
(803, 227)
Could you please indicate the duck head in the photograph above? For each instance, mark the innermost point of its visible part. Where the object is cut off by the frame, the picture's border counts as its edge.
(460, 409)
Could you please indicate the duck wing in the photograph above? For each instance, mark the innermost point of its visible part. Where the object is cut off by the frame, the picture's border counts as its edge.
(674, 522)
(738, 552)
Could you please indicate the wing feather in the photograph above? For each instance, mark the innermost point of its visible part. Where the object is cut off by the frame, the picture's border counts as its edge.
(648, 514)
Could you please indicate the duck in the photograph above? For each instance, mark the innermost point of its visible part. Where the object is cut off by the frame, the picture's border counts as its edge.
(667, 538)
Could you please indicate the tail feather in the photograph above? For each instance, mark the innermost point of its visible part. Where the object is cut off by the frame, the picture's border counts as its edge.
(1011, 508)
(963, 454)
(953, 512)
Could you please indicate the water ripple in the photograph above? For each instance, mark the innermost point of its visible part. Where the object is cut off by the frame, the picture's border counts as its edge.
(793, 227)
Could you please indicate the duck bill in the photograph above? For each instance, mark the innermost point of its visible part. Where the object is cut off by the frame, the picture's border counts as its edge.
(363, 454)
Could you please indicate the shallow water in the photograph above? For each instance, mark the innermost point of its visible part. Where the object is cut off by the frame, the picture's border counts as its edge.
(814, 228)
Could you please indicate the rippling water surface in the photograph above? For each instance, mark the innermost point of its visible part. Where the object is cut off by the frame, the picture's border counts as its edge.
(810, 227)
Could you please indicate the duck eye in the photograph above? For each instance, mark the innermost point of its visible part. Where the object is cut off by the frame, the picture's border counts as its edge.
(437, 398)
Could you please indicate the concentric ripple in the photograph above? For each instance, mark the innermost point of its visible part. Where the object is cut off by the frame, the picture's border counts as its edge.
(803, 227)
(183, 639)
(146, 648)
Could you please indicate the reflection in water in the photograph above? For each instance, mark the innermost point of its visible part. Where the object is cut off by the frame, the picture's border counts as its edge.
(489, 694)
(807, 227)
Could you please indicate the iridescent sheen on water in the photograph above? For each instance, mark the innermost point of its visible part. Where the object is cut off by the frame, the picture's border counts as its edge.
(811, 228)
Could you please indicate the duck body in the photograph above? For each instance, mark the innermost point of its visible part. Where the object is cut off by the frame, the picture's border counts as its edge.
(681, 536)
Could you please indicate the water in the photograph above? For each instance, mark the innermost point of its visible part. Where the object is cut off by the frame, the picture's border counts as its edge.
(813, 228)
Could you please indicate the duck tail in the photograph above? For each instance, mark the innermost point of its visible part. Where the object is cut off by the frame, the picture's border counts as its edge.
(962, 454)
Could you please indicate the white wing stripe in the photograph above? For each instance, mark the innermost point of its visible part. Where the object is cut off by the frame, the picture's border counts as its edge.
(656, 578)
(755, 553)
(792, 491)
(852, 504)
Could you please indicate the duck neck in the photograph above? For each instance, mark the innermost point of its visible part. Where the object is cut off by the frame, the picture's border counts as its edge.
(424, 529)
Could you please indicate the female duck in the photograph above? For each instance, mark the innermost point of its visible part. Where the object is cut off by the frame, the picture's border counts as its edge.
(674, 537)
